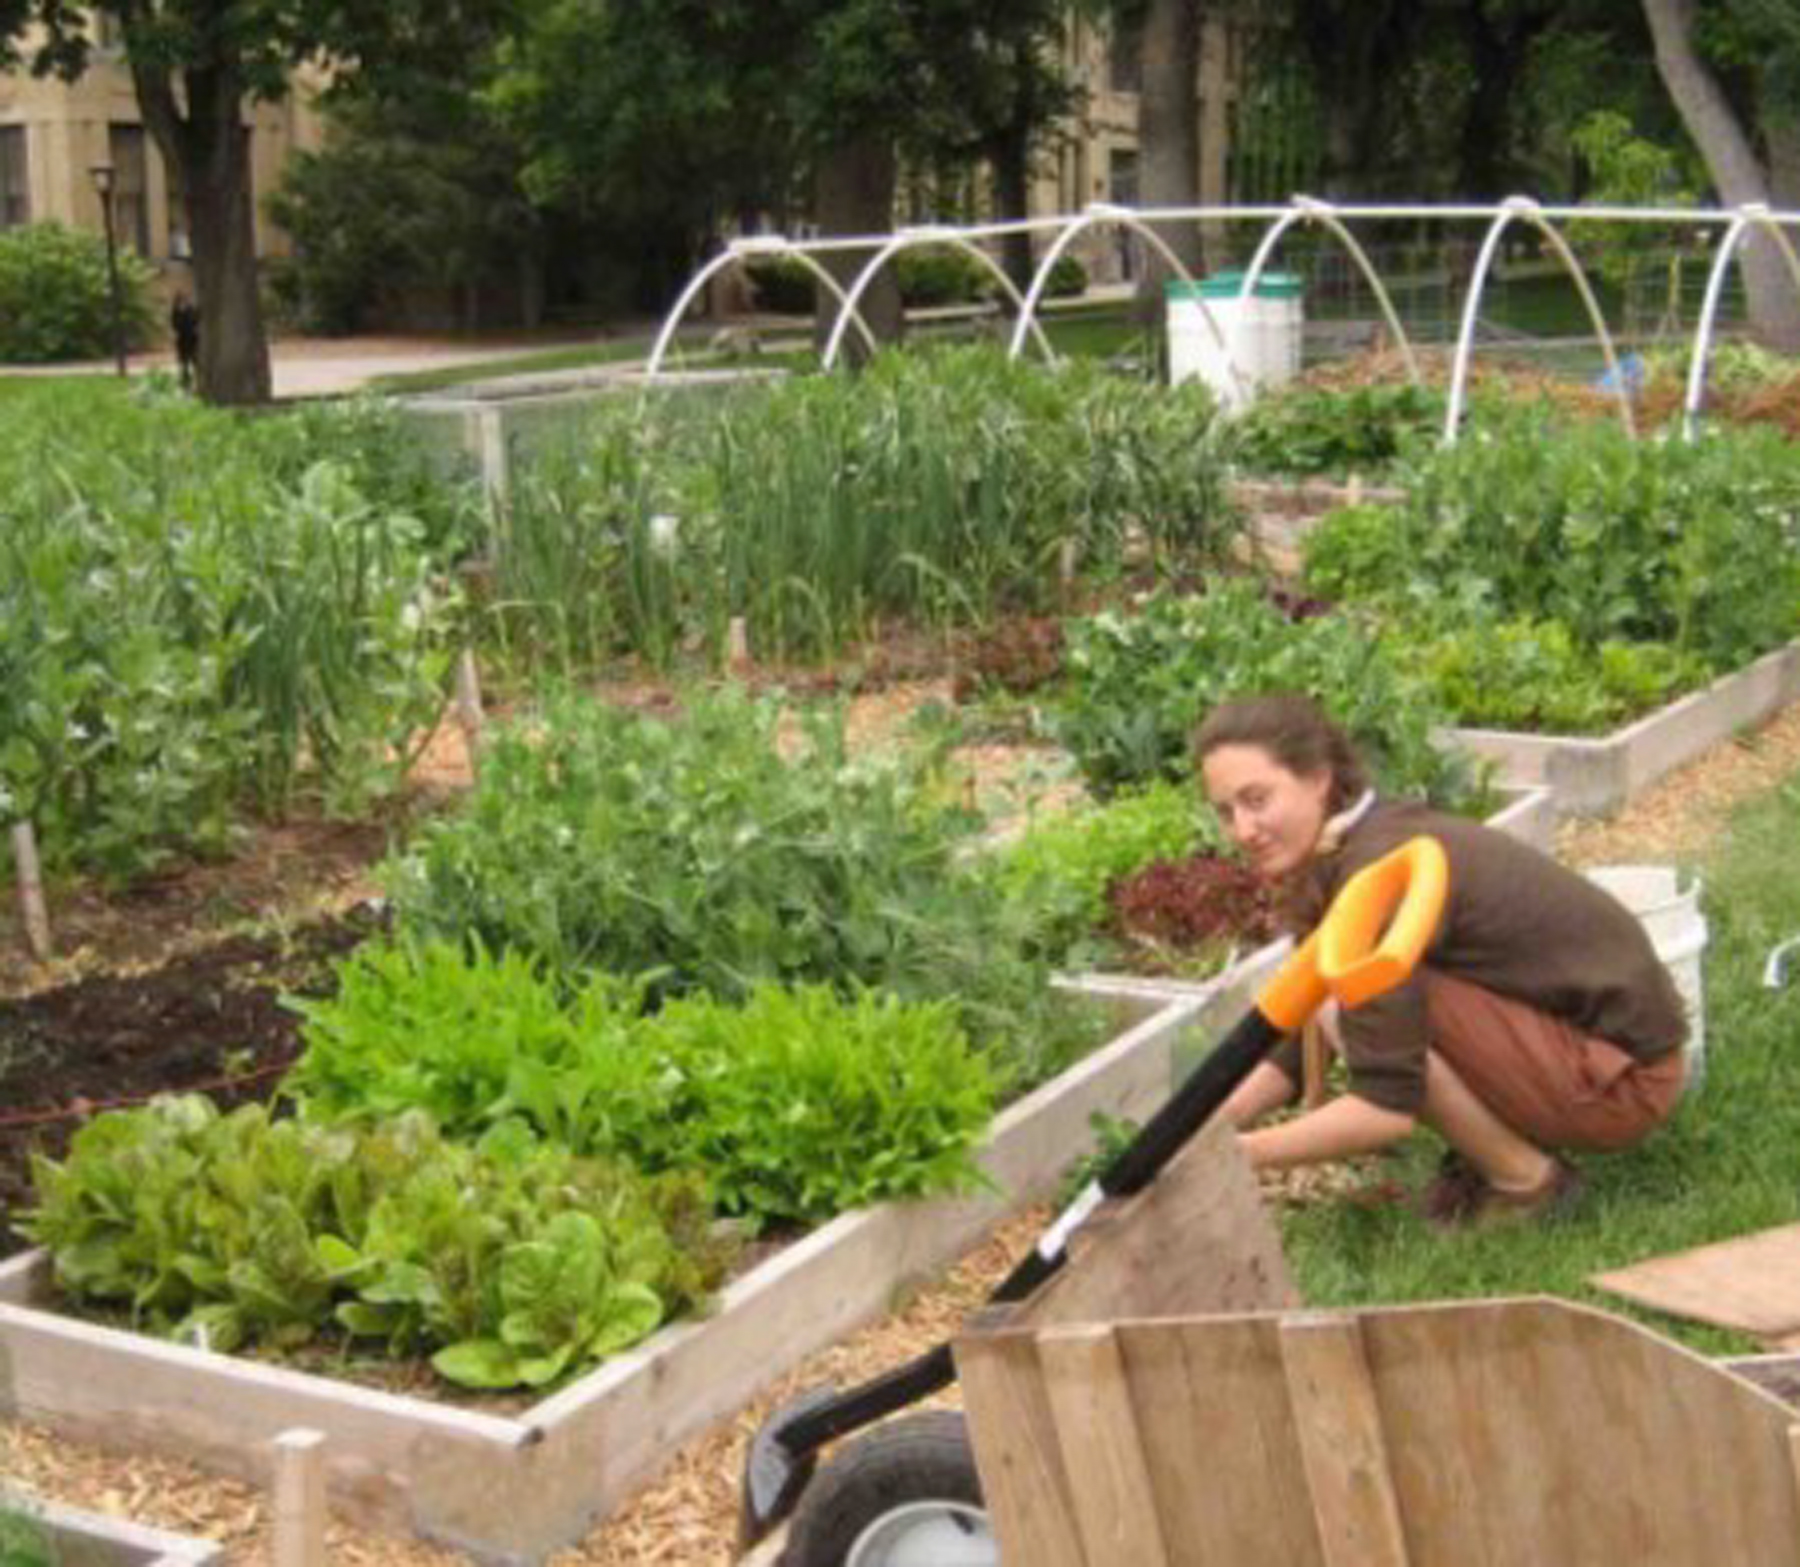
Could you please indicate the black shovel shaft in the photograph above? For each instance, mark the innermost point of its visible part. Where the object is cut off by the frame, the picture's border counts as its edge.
(1205, 1089)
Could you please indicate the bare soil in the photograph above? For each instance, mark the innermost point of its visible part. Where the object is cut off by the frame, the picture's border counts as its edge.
(209, 1020)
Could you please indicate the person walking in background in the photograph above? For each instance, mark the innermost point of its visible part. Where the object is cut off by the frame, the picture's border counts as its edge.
(184, 322)
(1540, 1019)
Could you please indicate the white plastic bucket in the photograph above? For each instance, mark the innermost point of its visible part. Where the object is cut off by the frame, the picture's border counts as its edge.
(1257, 341)
(1669, 911)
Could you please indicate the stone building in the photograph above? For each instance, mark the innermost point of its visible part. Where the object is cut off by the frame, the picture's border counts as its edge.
(54, 133)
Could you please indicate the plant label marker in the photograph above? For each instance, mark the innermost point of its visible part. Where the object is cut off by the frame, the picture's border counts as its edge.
(1067, 559)
(31, 892)
(300, 1498)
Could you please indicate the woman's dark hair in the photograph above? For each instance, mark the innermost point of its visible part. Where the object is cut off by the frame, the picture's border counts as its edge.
(1295, 731)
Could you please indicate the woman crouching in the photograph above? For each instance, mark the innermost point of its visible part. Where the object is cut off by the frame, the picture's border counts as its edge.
(1539, 1022)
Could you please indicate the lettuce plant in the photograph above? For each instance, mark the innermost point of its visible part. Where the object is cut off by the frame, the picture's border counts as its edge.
(510, 1262)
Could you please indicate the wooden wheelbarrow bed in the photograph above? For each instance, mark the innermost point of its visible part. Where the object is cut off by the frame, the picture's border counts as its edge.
(1500, 1432)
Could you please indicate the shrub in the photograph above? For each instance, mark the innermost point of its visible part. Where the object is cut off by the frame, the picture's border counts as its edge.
(56, 300)
(782, 285)
(509, 1263)
(794, 1105)
(1140, 683)
(940, 275)
(1068, 278)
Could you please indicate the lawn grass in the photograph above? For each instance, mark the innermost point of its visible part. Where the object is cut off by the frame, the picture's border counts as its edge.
(1728, 1163)
(538, 362)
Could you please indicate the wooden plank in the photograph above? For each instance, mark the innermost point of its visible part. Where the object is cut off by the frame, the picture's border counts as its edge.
(1013, 1432)
(1342, 1445)
(1751, 1283)
(1096, 1427)
(1197, 1239)
(1219, 1443)
(1537, 1431)
(1794, 1456)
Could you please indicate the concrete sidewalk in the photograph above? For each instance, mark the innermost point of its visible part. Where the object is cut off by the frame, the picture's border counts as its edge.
(324, 367)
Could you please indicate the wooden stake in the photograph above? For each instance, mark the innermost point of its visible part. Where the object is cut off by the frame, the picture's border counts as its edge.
(469, 715)
(300, 1498)
(1068, 557)
(737, 646)
(31, 892)
(1353, 492)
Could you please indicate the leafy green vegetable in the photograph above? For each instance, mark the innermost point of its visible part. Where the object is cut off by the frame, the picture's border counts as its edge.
(1521, 674)
(794, 1104)
(1693, 545)
(197, 613)
(1060, 869)
(1311, 430)
(721, 848)
(512, 1262)
(1139, 684)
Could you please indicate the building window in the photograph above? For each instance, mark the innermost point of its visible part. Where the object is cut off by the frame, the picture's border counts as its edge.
(131, 186)
(1122, 176)
(15, 178)
(1125, 57)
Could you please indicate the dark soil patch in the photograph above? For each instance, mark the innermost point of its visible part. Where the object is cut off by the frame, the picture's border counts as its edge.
(209, 1020)
(297, 869)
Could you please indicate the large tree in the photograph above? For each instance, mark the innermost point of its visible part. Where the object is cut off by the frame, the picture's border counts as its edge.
(702, 112)
(197, 66)
(1741, 105)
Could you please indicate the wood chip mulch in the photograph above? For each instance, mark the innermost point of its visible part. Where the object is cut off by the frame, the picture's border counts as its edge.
(1673, 821)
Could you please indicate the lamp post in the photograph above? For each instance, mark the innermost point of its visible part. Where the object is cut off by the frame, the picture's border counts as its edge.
(102, 176)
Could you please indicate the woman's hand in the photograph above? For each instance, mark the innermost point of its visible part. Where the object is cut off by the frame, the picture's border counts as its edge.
(1347, 1125)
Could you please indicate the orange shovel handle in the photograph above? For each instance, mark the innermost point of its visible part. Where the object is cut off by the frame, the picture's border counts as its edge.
(1373, 936)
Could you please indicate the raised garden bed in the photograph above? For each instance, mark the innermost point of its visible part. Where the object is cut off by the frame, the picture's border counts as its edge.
(512, 1488)
(1590, 777)
(73, 1538)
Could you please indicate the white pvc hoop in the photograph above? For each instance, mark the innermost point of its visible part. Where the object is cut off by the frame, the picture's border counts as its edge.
(1306, 208)
(735, 253)
(905, 239)
(1125, 218)
(1069, 227)
(1513, 208)
(1751, 215)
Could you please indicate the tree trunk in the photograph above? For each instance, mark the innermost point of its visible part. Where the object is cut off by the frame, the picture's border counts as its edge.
(1169, 137)
(1499, 50)
(1012, 196)
(210, 146)
(1740, 176)
(853, 193)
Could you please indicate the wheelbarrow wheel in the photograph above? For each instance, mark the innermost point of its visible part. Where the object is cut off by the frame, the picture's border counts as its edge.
(905, 1494)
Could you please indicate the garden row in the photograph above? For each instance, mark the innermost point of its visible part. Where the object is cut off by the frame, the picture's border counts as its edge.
(201, 616)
